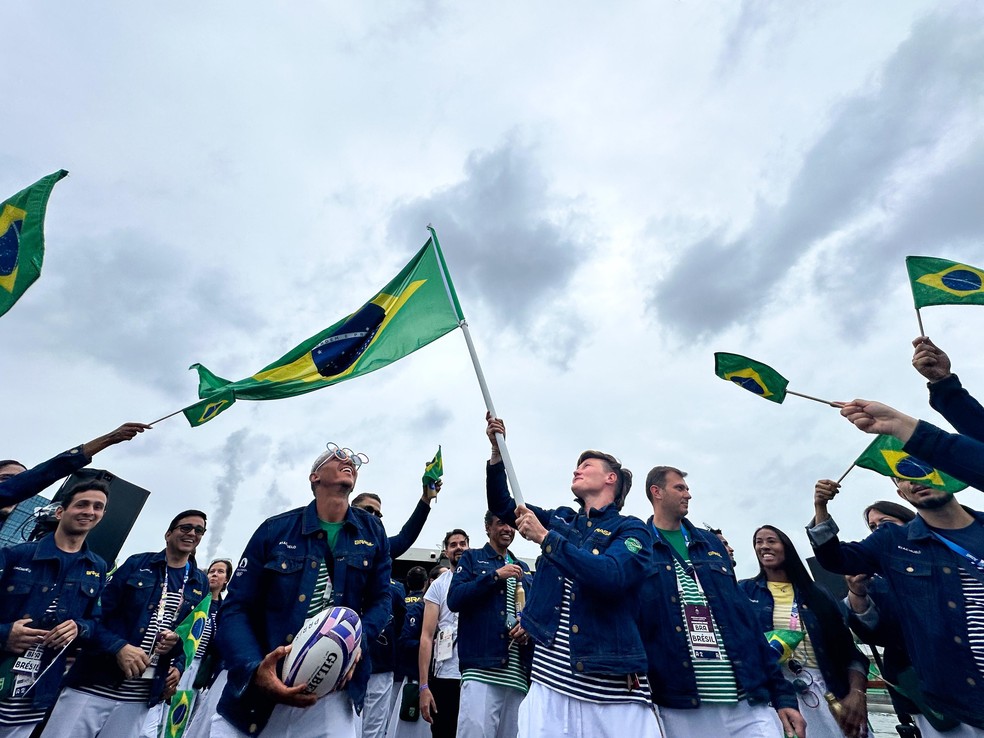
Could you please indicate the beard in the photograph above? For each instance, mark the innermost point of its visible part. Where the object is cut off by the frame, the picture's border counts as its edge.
(932, 503)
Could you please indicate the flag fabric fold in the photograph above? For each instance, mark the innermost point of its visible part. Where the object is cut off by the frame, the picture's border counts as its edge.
(434, 469)
(191, 629)
(179, 713)
(784, 642)
(942, 282)
(418, 306)
(885, 456)
(754, 376)
(22, 238)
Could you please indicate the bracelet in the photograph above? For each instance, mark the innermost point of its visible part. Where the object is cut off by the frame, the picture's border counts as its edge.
(864, 596)
(422, 687)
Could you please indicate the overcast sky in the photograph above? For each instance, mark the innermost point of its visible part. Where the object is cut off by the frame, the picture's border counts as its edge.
(620, 189)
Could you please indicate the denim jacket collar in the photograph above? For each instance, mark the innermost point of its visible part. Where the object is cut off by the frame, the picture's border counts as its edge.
(48, 550)
(311, 523)
(919, 529)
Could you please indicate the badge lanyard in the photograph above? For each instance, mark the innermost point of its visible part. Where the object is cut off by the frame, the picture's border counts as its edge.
(961, 551)
(162, 613)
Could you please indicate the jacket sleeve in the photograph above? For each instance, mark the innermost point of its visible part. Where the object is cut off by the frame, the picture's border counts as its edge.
(957, 455)
(467, 586)
(500, 502)
(844, 558)
(105, 640)
(953, 402)
(376, 606)
(622, 565)
(402, 541)
(4, 627)
(413, 622)
(34, 481)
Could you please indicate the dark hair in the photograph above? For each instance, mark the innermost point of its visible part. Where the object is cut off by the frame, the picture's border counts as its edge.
(435, 572)
(623, 477)
(8, 462)
(366, 495)
(657, 478)
(889, 508)
(455, 532)
(416, 578)
(93, 485)
(228, 566)
(186, 514)
(715, 531)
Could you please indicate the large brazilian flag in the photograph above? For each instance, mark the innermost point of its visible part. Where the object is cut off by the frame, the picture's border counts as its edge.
(418, 306)
(22, 239)
(941, 282)
(885, 456)
(756, 377)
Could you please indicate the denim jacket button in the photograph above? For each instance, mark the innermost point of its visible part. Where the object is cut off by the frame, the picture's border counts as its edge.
(580, 666)
(951, 604)
(574, 629)
(946, 570)
(590, 523)
(290, 637)
(314, 564)
(594, 551)
(970, 681)
(549, 548)
(302, 598)
(679, 629)
(909, 569)
(957, 639)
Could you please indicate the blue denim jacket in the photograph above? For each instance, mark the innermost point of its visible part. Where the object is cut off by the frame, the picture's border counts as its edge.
(922, 577)
(953, 402)
(671, 672)
(384, 649)
(129, 601)
(958, 455)
(35, 480)
(30, 579)
(408, 646)
(483, 638)
(830, 637)
(606, 555)
(269, 593)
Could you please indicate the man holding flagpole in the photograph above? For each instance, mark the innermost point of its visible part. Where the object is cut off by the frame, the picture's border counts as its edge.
(589, 660)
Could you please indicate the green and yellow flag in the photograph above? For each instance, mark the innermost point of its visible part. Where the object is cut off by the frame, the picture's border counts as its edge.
(418, 306)
(179, 712)
(22, 239)
(784, 642)
(434, 469)
(752, 375)
(885, 456)
(191, 629)
(942, 282)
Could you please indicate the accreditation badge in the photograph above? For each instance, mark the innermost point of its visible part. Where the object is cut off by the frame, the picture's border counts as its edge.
(700, 630)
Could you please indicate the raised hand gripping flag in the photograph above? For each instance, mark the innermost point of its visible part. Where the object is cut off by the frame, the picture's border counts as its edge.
(941, 282)
(22, 239)
(752, 375)
(885, 456)
(418, 306)
(192, 628)
(434, 469)
(784, 642)
(179, 713)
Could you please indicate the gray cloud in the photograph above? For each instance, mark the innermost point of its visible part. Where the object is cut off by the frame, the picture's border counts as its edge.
(930, 88)
(509, 242)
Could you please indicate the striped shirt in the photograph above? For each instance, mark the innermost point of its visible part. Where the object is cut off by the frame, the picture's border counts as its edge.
(716, 682)
(512, 675)
(973, 592)
(18, 710)
(783, 597)
(322, 587)
(138, 690)
(552, 669)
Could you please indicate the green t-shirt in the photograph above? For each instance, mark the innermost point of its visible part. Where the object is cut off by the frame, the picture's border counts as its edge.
(675, 538)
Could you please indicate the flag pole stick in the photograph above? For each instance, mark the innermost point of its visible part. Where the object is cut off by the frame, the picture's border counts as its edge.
(922, 331)
(846, 473)
(168, 416)
(810, 397)
(500, 439)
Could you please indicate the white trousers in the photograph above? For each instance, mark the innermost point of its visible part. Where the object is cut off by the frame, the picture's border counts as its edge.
(204, 708)
(488, 711)
(83, 715)
(548, 714)
(722, 721)
(17, 731)
(961, 731)
(330, 717)
(376, 711)
(820, 721)
(420, 728)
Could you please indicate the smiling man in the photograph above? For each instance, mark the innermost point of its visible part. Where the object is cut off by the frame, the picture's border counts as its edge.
(296, 565)
(51, 593)
(130, 664)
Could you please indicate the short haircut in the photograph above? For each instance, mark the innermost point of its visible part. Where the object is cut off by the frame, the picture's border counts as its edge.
(186, 514)
(416, 578)
(228, 568)
(451, 533)
(9, 462)
(88, 485)
(366, 496)
(436, 571)
(488, 517)
(657, 478)
(623, 481)
(889, 508)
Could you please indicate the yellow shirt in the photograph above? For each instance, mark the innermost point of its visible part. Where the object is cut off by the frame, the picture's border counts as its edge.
(782, 596)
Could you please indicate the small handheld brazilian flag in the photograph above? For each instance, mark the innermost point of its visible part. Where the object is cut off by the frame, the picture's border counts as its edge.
(752, 375)
(22, 238)
(885, 456)
(434, 469)
(784, 642)
(192, 628)
(941, 282)
(179, 712)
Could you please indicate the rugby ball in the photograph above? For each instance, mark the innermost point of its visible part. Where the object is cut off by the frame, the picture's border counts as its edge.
(322, 651)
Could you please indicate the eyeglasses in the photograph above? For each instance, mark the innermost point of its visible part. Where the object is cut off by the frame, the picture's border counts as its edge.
(343, 454)
(802, 684)
(368, 509)
(198, 530)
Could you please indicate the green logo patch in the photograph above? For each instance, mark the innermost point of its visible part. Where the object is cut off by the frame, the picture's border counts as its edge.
(633, 545)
